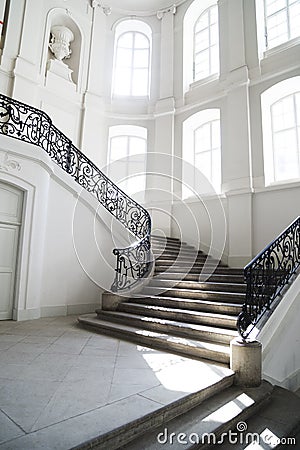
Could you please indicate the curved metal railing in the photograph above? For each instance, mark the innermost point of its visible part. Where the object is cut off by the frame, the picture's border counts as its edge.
(28, 124)
(267, 274)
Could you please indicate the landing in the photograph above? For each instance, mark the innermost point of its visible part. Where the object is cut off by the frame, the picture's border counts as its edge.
(61, 385)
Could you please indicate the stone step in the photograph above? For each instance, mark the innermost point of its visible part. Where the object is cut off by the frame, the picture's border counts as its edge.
(177, 252)
(207, 286)
(218, 270)
(182, 315)
(231, 297)
(190, 304)
(279, 420)
(171, 327)
(215, 277)
(207, 425)
(157, 238)
(173, 246)
(192, 348)
(182, 257)
(178, 262)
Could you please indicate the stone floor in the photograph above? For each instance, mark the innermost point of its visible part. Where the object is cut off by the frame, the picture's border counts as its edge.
(61, 385)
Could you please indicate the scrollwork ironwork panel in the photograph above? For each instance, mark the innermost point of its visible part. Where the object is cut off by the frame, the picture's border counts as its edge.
(28, 124)
(267, 274)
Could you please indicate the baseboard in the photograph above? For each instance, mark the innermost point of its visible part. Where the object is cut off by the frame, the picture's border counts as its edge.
(26, 314)
(291, 382)
(82, 309)
(53, 311)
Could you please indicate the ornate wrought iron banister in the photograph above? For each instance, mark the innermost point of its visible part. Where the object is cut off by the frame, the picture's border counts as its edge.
(267, 274)
(28, 124)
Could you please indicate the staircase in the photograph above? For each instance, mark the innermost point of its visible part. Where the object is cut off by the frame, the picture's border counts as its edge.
(177, 311)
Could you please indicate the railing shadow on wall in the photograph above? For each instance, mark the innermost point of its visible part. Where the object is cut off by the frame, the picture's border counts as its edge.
(28, 124)
(266, 276)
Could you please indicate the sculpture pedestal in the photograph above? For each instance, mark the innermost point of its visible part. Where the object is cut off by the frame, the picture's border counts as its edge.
(59, 75)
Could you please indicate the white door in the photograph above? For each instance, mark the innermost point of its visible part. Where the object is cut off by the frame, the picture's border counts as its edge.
(11, 200)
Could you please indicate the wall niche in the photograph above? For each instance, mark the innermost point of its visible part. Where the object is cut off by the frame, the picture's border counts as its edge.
(63, 50)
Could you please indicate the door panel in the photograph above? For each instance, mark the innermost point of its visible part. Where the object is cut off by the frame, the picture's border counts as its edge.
(11, 200)
(8, 256)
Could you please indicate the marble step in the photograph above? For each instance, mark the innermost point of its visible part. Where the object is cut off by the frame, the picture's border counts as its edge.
(205, 276)
(171, 327)
(232, 297)
(180, 315)
(208, 424)
(190, 304)
(188, 347)
(217, 270)
(206, 286)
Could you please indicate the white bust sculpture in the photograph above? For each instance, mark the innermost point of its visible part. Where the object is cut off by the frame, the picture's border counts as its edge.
(61, 37)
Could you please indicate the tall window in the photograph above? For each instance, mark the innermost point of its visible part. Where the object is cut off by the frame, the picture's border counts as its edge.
(200, 42)
(127, 158)
(132, 59)
(206, 44)
(285, 117)
(281, 131)
(202, 152)
(282, 21)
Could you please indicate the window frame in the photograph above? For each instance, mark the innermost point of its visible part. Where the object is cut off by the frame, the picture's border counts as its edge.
(286, 9)
(133, 27)
(210, 46)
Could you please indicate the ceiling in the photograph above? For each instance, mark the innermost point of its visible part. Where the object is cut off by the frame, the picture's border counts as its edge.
(140, 6)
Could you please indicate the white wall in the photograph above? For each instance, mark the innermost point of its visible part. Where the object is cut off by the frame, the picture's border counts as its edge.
(65, 256)
(85, 109)
(280, 338)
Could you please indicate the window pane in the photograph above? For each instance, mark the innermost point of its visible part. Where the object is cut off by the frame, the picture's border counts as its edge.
(213, 15)
(286, 163)
(202, 22)
(122, 82)
(216, 164)
(215, 64)
(140, 41)
(283, 114)
(215, 129)
(141, 58)
(140, 82)
(201, 40)
(203, 163)
(202, 138)
(274, 6)
(295, 20)
(137, 145)
(214, 34)
(126, 40)
(206, 53)
(118, 147)
(123, 58)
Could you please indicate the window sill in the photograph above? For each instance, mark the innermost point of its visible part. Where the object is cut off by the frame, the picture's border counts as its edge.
(281, 48)
(204, 81)
(278, 185)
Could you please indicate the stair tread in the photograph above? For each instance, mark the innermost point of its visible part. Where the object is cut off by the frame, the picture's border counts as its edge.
(182, 311)
(200, 291)
(175, 323)
(219, 414)
(93, 320)
(191, 301)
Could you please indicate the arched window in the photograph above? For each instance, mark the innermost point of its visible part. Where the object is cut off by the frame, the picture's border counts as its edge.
(127, 150)
(200, 42)
(132, 59)
(281, 131)
(202, 150)
(282, 21)
(206, 44)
